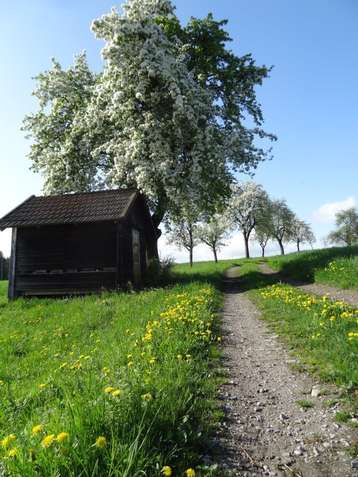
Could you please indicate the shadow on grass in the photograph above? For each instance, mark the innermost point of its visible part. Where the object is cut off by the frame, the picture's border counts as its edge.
(215, 277)
(301, 266)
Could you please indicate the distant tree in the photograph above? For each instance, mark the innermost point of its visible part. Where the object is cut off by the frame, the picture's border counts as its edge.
(347, 228)
(183, 232)
(301, 233)
(214, 233)
(262, 236)
(4, 267)
(247, 204)
(281, 222)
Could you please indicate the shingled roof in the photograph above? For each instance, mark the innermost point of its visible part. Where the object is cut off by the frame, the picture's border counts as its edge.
(71, 208)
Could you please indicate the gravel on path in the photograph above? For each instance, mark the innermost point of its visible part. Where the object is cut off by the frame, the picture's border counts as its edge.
(265, 431)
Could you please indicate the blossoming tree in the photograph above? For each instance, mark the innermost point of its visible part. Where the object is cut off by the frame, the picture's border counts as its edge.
(248, 203)
(166, 114)
(301, 233)
(281, 222)
(214, 232)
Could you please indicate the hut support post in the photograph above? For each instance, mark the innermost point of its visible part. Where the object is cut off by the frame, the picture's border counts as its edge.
(12, 268)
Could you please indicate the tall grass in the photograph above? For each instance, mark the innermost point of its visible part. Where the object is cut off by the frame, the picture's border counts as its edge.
(342, 272)
(313, 265)
(111, 385)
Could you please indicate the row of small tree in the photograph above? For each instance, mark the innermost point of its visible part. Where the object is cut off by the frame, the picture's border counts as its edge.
(4, 267)
(251, 211)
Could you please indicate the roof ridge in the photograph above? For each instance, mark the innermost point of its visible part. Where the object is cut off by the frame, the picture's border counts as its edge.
(71, 194)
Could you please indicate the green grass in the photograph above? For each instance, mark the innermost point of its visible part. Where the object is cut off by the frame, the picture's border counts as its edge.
(321, 332)
(305, 404)
(342, 272)
(3, 293)
(314, 266)
(204, 271)
(153, 352)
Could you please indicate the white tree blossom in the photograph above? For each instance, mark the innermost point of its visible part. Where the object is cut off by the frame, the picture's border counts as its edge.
(147, 120)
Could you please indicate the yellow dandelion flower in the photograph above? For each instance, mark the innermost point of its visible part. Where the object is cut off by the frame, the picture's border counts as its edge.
(42, 385)
(48, 441)
(37, 429)
(101, 442)
(7, 441)
(109, 389)
(166, 471)
(62, 436)
(116, 392)
(13, 452)
(190, 472)
(130, 364)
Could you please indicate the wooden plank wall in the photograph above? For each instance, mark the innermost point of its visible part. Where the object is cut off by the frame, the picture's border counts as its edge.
(66, 259)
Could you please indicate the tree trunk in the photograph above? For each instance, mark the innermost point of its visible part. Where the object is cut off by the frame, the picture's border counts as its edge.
(191, 245)
(263, 251)
(215, 255)
(246, 240)
(191, 256)
(298, 246)
(281, 246)
(157, 219)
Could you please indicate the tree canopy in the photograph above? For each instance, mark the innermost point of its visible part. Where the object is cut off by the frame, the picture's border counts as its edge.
(167, 114)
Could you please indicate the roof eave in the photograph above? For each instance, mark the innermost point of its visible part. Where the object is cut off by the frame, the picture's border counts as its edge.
(3, 219)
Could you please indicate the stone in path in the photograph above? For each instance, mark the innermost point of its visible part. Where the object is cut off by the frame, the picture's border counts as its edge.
(265, 432)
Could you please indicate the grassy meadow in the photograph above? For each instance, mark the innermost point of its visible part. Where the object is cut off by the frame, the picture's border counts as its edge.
(337, 266)
(111, 385)
(124, 384)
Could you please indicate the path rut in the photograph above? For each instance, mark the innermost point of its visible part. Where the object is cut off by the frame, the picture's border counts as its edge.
(265, 432)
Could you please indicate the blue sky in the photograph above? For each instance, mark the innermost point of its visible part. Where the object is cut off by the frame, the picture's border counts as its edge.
(310, 101)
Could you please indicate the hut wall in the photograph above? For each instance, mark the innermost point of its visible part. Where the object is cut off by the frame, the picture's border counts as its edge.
(66, 259)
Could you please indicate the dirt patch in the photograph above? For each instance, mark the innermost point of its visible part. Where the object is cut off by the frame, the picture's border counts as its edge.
(348, 296)
(265, 431)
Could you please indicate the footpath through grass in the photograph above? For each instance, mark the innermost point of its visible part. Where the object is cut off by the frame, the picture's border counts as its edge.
(335, 266)
(322, 333)
(111, 385)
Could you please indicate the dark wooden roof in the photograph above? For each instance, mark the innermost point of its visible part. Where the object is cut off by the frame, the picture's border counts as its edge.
(71, 208)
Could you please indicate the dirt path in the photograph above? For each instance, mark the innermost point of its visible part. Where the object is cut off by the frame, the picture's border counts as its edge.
(348, 296)
(265, 431)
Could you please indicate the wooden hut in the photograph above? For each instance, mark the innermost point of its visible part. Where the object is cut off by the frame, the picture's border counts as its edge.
(79, 243)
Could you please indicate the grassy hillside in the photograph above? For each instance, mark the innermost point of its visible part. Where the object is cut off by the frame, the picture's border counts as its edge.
(336, 266)
(114, 385)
